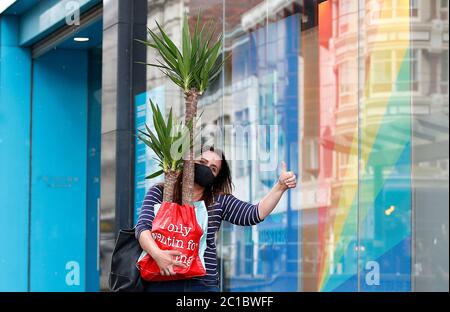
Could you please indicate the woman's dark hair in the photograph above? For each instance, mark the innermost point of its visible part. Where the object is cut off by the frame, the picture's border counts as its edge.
(222, 183)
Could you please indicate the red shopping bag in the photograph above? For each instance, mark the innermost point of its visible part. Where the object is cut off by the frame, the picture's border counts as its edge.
(175, 227)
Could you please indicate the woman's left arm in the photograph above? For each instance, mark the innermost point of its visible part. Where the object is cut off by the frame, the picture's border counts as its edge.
(286, 181)
(242, 213)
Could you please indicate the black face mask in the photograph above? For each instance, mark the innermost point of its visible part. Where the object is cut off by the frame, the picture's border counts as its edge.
(203, 176)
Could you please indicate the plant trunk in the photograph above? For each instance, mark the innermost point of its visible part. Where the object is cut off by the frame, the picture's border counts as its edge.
(191, 98)
(170, 180)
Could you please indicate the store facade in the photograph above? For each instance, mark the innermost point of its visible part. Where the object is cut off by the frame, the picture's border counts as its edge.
(352, 95)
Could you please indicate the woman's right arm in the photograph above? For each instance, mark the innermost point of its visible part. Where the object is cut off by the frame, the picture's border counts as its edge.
(164, 258)
(148, 243)
(147, 214)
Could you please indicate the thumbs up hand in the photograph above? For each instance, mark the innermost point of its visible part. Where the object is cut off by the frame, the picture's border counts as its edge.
(287, 179)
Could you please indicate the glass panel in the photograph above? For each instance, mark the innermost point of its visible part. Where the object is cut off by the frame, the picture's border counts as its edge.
(353, 95)
(263, 75)
(430, 156)
(384, 212)
(335, 185)
(381, 71)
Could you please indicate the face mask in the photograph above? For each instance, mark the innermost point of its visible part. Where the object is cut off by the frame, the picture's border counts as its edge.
(203, 176)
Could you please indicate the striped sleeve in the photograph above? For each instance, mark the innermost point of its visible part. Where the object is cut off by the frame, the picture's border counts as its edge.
(239, 212)
(146, 216)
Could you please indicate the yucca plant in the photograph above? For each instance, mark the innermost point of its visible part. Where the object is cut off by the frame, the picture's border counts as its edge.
(192, 69)
(169, 144)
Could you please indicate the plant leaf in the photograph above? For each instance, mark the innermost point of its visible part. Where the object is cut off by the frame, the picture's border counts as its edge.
(155, 174)
(172, 47)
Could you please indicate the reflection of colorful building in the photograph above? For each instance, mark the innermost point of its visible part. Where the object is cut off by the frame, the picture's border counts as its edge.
(358, 91)
(354, 226)
(366, 193)
(269, 98)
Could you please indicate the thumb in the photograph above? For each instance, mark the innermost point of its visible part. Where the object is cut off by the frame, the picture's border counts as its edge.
(283, 167)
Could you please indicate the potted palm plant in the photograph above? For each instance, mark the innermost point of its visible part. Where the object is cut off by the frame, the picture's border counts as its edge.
(192, 68)
(169, 134)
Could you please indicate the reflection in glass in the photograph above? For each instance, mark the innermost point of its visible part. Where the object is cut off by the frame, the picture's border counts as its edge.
(358, 94)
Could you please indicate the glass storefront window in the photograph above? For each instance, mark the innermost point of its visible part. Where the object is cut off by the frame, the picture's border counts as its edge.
(358, 94)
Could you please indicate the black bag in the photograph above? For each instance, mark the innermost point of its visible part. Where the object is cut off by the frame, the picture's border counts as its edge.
(125, 275)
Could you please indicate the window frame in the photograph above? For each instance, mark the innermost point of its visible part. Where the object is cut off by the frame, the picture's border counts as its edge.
(394, 16)
(394, 76)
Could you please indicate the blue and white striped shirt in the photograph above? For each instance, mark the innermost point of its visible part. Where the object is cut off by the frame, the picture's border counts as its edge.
(225, 207)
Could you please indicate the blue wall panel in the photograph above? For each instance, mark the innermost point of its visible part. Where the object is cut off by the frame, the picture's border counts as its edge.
(58, 190)
(15, 78)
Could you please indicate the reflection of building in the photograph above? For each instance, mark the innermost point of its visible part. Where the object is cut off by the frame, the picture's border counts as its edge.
(358, 90)
(346, 180)
(336, 145)
(168, 14)
(396, 64)
(264, 102)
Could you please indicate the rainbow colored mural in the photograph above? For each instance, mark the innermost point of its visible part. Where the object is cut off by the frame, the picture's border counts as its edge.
(344, 104)
(365, 237)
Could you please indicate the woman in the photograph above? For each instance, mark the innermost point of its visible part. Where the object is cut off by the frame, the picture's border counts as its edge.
(213, 185)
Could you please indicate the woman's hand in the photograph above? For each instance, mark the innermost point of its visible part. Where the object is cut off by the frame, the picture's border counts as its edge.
(165, 259)
(287, 179)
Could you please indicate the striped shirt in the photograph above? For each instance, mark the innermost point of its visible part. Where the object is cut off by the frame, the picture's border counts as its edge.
(225, 207)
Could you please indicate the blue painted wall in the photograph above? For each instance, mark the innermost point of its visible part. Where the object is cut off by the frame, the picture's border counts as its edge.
(15, 82)
(58, 190)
